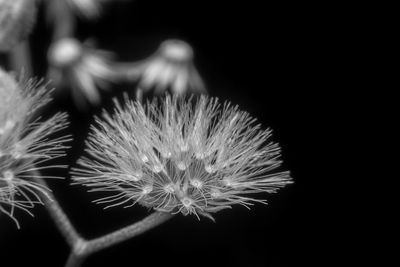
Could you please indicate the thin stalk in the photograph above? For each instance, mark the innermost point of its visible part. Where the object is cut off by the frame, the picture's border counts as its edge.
(75, 258)
(64, 20)
(59, 217)
(128, 232)
(86, 248)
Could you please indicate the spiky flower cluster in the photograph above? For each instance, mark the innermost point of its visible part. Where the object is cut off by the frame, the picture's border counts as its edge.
(195, 157)
(25, 146)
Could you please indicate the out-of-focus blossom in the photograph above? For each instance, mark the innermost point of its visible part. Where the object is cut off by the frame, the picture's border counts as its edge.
(176, 156)
(82, 68)
(25, 144)
(87, 8)
(170, 67)
(17, 18)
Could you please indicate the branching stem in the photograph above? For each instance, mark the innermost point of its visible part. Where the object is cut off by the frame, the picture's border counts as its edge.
(61, 220)
(83, 248)
(80, 247)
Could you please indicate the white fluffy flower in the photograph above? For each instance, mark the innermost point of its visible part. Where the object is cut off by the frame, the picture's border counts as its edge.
(170, 67)
(177, 156)
(83, 68)
(25, 144)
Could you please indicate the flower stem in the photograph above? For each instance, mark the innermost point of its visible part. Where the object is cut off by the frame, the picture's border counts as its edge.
(64, 20)
(128, 232)
(83, 248)
(59, 217)
(74, 260)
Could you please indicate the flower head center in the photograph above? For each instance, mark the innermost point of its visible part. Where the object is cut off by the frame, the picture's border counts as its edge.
(181, 165)
(8, 175)
(215, 193)
(147, 189)
(210, 168)
(157, 168)
(169, 188)
(187, 202)
(196, 183)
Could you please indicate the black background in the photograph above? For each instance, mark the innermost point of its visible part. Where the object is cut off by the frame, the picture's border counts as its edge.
(276, 61)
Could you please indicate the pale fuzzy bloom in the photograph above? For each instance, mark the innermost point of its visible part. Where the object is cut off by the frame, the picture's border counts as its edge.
(17, 18)
(194, 157)
(25, 144)
(170, 67)
(83, 68)
(87, 8)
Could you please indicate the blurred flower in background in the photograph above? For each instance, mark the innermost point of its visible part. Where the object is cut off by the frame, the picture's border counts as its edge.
(87, 8)
(176, 156)
(81, 68)
(25, 143)
(171, 67)
(17, 18)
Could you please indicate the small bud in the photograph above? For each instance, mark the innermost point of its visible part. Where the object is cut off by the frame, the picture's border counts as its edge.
(65, 53)
(17, 18)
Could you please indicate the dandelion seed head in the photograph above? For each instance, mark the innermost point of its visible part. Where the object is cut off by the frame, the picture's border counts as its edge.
(218, 156)
(25, 146)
